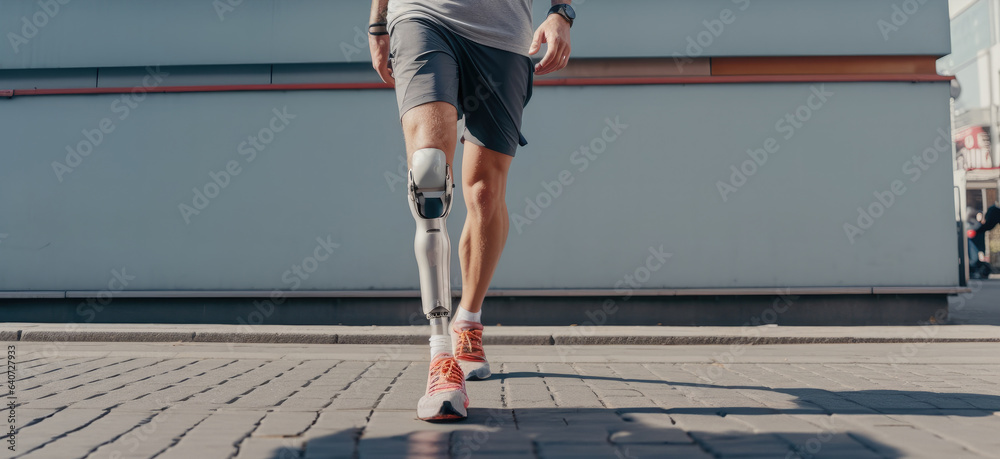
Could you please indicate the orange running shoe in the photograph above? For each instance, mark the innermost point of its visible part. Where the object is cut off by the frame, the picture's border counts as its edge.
(467, 341)
(445, 399)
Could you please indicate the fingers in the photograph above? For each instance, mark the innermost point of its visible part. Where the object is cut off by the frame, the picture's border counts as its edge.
(536, 42)
(545, 65)
(386, 74)
(381, 66)
(556, 57)
(385, 71)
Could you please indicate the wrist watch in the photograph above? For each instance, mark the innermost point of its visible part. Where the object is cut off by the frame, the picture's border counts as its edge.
(564, 10)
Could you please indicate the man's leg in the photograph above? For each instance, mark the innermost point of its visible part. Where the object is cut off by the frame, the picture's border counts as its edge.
(430, 133)
(484, 186)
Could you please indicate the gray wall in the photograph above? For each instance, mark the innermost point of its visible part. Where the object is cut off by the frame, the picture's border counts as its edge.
(325, 174)
(111, 33)
(335, 170)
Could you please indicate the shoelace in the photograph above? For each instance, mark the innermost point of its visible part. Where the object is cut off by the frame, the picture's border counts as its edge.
(466, 343)
(448, 376)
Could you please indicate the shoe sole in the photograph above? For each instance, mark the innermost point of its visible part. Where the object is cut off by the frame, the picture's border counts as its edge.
(476, 374)
(447, 413)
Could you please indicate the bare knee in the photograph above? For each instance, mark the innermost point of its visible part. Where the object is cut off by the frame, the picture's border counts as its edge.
(484, 195)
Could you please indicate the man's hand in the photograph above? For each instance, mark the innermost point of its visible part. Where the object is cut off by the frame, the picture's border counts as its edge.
(554, 32)
(379, 46)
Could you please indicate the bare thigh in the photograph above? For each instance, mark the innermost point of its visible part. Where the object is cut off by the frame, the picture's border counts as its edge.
(431, 125)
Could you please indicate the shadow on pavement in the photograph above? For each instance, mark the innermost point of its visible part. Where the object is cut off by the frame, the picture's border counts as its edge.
(820, 401)
(625, 433)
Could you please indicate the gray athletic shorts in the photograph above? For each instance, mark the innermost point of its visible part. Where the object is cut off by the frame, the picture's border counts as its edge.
(489, 86)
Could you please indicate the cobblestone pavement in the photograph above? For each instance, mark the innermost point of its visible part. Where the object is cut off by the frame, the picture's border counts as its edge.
(170, 400)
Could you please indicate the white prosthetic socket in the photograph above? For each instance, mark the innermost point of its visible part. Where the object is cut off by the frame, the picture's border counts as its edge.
(430, 197)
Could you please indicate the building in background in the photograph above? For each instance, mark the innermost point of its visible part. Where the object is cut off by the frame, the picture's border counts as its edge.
(975, 62)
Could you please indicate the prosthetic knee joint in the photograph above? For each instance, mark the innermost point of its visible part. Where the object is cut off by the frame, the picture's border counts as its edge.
(430, 195)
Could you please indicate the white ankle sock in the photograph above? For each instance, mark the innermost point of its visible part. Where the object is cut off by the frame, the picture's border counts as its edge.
(462, 314)
(439, 344)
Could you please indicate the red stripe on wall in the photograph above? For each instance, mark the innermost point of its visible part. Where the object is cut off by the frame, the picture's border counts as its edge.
(825, 65)
(617, 81)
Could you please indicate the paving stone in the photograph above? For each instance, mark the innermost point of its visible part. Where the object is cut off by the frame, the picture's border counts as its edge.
(974, 430)
(310, 370)
(886, 401)
(736, 445)
(343, 373)
(474, 443)
(97, 375)
(267, 371)
(163, 398)
(529, 393)
(336, 421)
(562, 450)
(981, 401)
(267, 395)
(270, 448)
(350, 403)
(491, 418)
(216, 436)
(628, 402)
(294, 403)
(388, 424)
(648, 418)
(367, 388)
(24, 416)
(618, 393)
(644, 451)
(50, 376)
(416, 444)
(709, 424)
(577, 396)
(44, 431)
(192, 369)
(889, 436)
(91, 436)
(73, 390)
(146, 440)
(285, 424)
(484, 394)
(316, 391)
(839, 445)
(649, 436)
(573, 435)
(220, 374)
(333, 446)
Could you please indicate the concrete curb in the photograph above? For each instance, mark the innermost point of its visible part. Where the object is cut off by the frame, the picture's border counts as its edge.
(264, 338)
(130, 336)
(533, 336)
(748, 340)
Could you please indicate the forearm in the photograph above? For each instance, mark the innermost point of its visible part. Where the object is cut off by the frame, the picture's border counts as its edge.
(561, 2)
(380, 9)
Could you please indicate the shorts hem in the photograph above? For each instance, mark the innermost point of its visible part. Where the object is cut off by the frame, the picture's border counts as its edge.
(415, 102)
(504, 150)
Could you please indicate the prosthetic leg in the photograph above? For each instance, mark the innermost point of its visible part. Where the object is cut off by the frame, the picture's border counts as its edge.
(430, 202)
(430, 197)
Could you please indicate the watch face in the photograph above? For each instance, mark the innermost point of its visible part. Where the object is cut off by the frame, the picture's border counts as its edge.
(568, 10)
